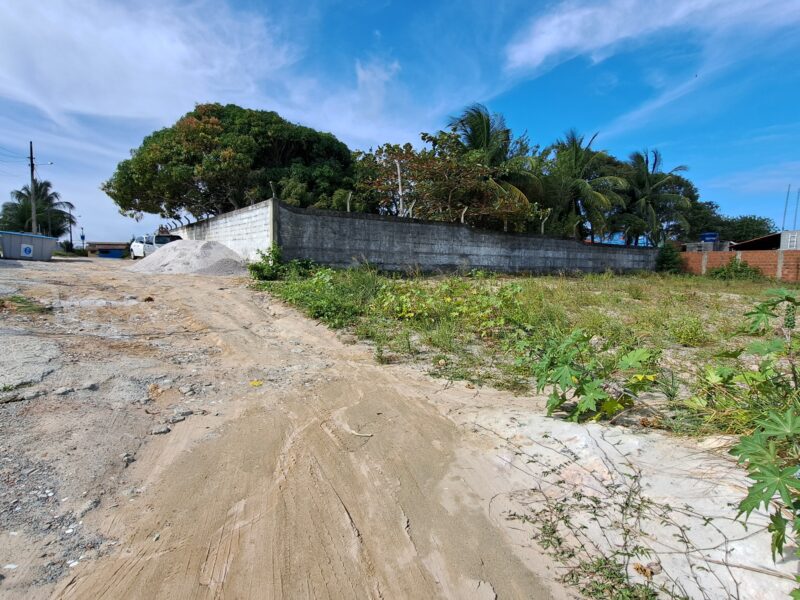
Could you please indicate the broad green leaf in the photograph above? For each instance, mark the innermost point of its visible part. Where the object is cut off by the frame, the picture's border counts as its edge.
(763, 348)
(755, 449)
(770, 480)
(777, 527)
(564, 376)
(635, 358)
(781, 426)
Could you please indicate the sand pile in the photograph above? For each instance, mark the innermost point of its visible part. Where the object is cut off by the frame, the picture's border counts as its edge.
(193, 257)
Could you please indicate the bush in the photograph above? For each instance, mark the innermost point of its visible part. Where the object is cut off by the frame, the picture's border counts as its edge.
(736, 269)
(270, 267)
(668, 259)
(337, 298)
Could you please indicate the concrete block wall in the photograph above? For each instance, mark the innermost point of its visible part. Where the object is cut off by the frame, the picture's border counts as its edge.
(246, 231)
(346, 239)
(780, 264)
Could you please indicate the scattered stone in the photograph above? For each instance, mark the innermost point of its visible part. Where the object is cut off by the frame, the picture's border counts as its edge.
(160, 430)
(128, 458)
(655, 567)
(184, 412)
(185, 389)
(148, 299)
(63, 391)
(89, 385)
(176, 419)
(90, 505)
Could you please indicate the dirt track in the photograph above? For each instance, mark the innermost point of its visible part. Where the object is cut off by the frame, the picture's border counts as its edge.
(314, 472)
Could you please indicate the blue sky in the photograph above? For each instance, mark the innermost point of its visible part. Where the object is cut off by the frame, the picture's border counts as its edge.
(713, 84)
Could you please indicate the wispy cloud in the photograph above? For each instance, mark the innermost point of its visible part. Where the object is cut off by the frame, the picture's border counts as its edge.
(133, 60)
(768, 180)
(722, 30)
(599, 29)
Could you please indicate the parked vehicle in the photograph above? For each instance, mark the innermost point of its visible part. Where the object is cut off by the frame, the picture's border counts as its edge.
(144, 245)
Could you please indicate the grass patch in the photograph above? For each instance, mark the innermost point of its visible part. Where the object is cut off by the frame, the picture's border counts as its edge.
(23, 305)
(489, 328)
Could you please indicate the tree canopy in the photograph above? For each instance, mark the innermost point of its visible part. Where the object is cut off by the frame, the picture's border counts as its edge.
(52, 213)
(218, 158)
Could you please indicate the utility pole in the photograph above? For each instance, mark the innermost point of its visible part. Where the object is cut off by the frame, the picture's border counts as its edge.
(32, 194)
(399, 186)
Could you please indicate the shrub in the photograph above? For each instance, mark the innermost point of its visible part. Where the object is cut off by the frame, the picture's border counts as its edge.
(337, 298)
(271, 267)
(736, 269)
(668, 259)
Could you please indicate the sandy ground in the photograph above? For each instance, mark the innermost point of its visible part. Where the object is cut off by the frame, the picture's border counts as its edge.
(294, 466)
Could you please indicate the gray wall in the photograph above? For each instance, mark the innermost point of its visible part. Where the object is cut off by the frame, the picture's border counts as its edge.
(246, 231)
(345, 239)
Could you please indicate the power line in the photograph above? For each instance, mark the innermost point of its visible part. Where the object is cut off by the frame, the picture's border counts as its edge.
(11, 153)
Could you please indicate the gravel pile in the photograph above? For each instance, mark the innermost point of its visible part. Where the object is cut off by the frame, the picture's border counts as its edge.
(192, 257)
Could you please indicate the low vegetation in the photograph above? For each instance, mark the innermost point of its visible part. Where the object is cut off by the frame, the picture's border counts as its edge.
(693, 355)
(21, 304)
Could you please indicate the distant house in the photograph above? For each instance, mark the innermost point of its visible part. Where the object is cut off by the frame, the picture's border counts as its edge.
(782, 240)
(107, 249)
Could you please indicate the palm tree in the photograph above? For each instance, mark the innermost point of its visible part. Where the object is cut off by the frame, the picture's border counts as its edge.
(483, 133)
(52, 213)
(581, 195)
(648, 199)
(486, 137)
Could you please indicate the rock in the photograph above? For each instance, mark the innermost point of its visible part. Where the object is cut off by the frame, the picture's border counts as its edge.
(176, 419)
(160, 430)
(90, 505)
(89, 385)
(63, 391)
(185, 389)
(184, 412)
(128, 458)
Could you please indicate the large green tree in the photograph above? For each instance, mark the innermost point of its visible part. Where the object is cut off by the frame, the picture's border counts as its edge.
(53, 214)
(218, 158)
(653, 208)
(580, 194)
(745, 227)
(514, 180)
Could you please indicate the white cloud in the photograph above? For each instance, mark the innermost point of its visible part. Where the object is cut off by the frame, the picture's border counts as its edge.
(598, 29)
(133, 60)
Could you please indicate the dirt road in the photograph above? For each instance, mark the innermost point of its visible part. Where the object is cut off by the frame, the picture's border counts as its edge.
(303, 470)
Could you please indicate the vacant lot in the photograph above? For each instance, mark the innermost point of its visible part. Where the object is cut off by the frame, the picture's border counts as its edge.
(492, 329)
(187, 436)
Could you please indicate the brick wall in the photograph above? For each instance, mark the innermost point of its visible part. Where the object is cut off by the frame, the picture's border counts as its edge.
(780, 264)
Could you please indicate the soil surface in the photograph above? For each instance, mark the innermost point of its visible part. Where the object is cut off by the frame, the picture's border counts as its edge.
(182, 436)
(291, 464)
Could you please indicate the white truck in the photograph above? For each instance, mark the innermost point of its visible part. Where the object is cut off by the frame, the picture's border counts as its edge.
(145, 245)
